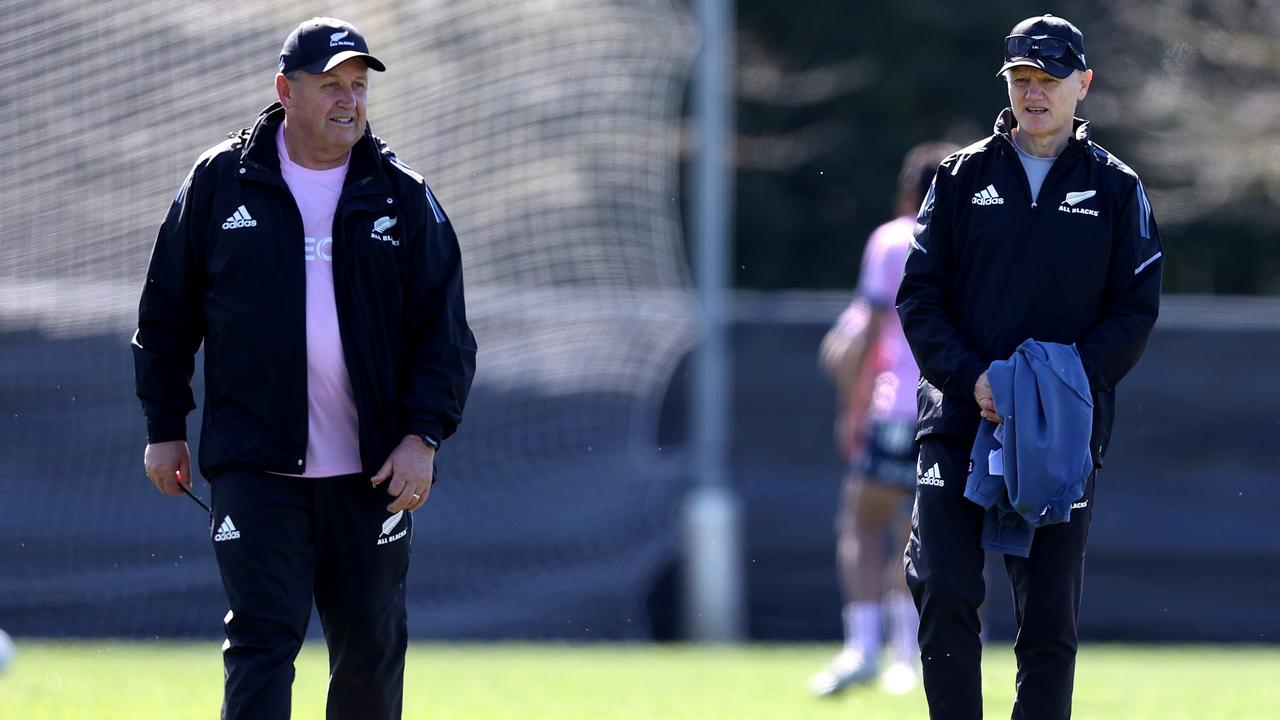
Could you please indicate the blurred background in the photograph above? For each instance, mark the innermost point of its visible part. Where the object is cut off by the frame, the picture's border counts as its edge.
(562, 136)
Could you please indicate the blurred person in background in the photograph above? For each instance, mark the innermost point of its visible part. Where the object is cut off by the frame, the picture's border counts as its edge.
(867, 355)
(1035, 233)
(325, 283)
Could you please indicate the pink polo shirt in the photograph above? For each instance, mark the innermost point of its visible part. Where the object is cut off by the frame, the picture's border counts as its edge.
(333, 439)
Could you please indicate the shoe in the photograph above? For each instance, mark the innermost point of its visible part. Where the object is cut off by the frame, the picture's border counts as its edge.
(849, 668)
(900, 678)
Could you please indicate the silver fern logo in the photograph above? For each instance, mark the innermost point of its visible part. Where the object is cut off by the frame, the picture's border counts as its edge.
(336, 39)
(380, 228)
(390, 524)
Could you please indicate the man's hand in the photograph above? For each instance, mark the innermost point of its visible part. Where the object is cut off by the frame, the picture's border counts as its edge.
(982, 393)
(410, 469)
(168, 465)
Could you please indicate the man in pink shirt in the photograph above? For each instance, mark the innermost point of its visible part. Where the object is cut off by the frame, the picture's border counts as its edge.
(325, 282)
(876, 375)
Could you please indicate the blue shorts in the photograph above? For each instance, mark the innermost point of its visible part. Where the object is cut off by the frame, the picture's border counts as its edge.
(889, 456)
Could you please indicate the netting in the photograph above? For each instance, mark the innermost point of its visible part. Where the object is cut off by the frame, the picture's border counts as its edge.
(550, 131)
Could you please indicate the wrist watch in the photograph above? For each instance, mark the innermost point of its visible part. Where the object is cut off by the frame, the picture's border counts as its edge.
(431, 442)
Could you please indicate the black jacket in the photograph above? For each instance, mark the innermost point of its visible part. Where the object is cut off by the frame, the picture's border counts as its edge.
(240, 288)
(989, 269)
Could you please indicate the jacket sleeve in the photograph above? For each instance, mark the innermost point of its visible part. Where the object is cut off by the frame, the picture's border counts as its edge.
(441, 347)
(1132, 296)
(170, 323)
(924, 297)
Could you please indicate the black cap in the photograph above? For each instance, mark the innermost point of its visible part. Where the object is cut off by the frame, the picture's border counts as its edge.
(1046, 26)
(321, 43)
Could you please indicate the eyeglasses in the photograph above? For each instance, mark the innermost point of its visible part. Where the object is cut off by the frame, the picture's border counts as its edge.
(1049, 48)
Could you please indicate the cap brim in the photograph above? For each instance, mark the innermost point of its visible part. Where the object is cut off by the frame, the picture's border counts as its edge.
(326, 64)
(1053, 67)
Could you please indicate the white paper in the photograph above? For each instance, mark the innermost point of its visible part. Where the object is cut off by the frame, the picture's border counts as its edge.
(995, 462)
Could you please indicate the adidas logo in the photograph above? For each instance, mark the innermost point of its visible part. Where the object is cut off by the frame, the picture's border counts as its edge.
(389, 525)
(932, 476)
(987, 196)
(227, 531)
(239, 219)
(380, 228)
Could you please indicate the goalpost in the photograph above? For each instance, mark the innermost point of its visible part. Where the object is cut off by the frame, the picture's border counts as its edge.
(714, 597)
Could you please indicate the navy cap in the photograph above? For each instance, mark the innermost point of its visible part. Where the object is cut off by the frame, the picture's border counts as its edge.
(1023, 46)
(321, 43)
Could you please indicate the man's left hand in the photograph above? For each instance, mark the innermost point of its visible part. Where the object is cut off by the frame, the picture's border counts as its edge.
(410, 469)
(986, 402)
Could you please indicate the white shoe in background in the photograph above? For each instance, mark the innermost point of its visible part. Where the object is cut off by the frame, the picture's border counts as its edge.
(849, 668)
(900, 678)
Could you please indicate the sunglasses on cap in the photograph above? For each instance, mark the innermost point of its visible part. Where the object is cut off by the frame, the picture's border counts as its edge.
(1046, 47)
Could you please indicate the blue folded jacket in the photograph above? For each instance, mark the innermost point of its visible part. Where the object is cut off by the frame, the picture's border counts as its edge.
(1028, 471)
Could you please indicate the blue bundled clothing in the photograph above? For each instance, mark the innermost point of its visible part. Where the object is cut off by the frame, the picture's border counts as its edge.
(1028, 470)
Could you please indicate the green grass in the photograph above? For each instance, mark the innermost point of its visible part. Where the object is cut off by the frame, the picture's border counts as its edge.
(166, 681)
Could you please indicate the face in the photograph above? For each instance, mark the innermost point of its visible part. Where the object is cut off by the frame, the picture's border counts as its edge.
(325, 114)
(1042, 104)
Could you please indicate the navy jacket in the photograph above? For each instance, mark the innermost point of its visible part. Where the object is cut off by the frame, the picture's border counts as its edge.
(1043, 396)
(240, 288)
(990, 268)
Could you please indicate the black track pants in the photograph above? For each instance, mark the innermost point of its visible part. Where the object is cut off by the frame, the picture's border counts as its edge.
(944, 571)
(282, 542)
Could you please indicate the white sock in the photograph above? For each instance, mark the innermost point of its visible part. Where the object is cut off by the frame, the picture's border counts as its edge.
(904, 626)
(862, 628)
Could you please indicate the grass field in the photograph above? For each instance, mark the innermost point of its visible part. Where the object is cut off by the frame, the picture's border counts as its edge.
(165, 681)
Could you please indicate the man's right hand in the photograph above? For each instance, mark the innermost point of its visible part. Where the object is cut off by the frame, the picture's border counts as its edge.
(169, 466)
(986, 403)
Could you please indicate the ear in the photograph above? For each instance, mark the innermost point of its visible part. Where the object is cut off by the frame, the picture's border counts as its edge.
(1085, 79)
(283, 91)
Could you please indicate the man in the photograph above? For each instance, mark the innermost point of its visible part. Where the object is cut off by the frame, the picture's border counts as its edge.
(1033, 233)
(325, 283)
(876, 377)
